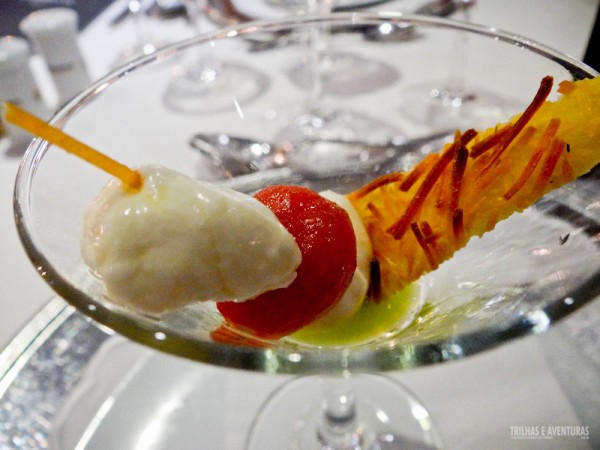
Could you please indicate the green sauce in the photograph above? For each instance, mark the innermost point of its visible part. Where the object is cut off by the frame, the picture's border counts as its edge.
(371, 321)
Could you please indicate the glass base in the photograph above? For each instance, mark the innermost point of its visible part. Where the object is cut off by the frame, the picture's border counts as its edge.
(213, 87)
(384, 416)
(321, 140)
(444, 108)
(345, 74)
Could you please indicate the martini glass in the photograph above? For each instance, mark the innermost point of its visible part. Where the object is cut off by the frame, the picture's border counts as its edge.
(474, 302)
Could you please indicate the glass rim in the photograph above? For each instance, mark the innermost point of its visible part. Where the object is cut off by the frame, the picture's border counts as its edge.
(281, 360)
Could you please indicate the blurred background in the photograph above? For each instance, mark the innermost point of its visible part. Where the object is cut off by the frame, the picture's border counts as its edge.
(12, 11)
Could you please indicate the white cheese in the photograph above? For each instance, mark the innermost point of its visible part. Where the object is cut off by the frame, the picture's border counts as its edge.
(354, 296)
(179, 241)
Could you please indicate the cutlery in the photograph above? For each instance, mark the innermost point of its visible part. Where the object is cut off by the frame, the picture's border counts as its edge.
(236, 155)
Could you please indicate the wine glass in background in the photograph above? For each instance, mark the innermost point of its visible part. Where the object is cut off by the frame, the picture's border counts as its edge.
(145, 42)
(454, 97)
(324, 72)
(474, 302)
(332, 77)
(206, 82)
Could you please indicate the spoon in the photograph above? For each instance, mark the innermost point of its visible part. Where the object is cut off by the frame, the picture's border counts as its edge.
(236, 155)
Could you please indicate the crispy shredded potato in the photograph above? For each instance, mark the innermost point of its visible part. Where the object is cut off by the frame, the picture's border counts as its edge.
(418, 219)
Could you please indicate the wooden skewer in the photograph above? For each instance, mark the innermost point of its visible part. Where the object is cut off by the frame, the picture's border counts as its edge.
(132, 179)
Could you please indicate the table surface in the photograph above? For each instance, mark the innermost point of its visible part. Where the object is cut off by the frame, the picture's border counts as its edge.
(565, 26)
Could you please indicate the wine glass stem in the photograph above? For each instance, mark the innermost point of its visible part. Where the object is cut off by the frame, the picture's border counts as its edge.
(455, 85)
(315, 88)
(138, 14)
(339, 428)
(317, 48)
(205, 65)
(192, 11)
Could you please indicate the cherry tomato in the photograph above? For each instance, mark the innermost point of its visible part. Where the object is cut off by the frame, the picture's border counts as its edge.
(325, 236)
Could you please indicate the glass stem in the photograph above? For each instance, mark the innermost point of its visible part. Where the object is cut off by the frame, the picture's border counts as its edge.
(204, 65)
(315, 88)
(317, 48)
(455, 86)
(138, 14)
(339, 428)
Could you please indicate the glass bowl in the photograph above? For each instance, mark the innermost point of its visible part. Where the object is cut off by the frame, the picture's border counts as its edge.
(518, 279)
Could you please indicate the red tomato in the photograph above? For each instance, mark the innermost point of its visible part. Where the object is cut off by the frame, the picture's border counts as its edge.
(324, 233)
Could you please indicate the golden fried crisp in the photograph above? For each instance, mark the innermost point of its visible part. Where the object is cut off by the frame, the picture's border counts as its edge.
(418, 219)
